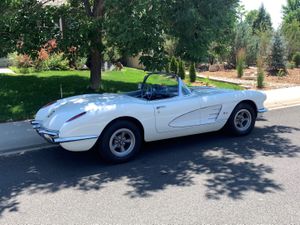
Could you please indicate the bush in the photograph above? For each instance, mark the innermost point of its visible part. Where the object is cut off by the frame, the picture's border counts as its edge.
(55, 61)
(240, 62)
(260, 73)
(20, 60)
(296, 59)
(181, 70)
(192, 72)
(174, 65)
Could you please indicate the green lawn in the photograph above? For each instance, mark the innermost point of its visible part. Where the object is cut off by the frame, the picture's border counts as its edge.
(22, 95)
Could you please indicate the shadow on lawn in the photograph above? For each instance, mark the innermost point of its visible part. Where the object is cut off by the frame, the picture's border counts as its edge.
(22, 96)
(225, 163)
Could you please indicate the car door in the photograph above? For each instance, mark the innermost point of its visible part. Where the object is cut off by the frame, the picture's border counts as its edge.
(177, 113)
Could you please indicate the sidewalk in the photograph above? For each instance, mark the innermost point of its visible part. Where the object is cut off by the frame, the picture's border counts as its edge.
(19, 136)
(282, 97)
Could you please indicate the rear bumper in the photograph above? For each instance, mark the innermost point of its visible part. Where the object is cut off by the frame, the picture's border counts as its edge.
(52, 136)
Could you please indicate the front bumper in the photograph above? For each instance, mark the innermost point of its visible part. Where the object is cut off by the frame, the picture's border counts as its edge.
(261, 111)
(52, 136)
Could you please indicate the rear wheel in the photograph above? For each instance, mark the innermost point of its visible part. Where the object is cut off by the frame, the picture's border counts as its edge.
(120, 142)
(242, 119)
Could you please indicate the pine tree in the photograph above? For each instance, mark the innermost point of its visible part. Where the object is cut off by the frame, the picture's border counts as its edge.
(174, 66)
(192, 72)
(181, 70)
(277, 59)
(262, 23)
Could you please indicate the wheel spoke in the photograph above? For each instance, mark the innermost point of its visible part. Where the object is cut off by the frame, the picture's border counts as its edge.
(122, 148)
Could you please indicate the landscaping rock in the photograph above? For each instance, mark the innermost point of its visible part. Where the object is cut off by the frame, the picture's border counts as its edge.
(214, 68)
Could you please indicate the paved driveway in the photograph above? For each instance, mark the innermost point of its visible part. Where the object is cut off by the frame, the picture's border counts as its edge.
(211, 178)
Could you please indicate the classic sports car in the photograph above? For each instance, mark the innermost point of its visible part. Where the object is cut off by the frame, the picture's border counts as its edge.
(162, 107)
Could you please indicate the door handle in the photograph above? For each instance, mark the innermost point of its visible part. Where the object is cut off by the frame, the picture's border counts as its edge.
(160, 106)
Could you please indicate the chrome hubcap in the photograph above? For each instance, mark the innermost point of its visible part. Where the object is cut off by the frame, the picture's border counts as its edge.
(242, 120)
(122, 142)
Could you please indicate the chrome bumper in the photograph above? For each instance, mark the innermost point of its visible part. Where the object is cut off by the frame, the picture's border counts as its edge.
(52, 136)
(261, 111)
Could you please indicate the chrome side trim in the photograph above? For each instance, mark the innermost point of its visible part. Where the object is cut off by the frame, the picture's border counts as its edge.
(71, 139)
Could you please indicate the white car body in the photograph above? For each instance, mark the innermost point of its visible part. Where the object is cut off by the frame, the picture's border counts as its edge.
(202, 109)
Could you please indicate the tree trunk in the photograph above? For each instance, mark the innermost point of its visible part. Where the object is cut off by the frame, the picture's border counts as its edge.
(95, 74)
(96, 12)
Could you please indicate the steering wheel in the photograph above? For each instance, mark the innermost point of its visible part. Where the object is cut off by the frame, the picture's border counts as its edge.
(147, 91)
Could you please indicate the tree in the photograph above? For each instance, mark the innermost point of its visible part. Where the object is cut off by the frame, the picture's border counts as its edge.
(276, 59)
(196, 24)
(25, 26)
(181, 70)
(291, 26)
(291, 11)
(192, 72)
(251, 16)
(262, 23)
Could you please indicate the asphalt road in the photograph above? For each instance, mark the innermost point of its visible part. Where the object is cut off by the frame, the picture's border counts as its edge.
(203, 179)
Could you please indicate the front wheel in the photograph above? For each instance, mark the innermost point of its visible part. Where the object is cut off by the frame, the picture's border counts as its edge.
(120, 142)
(242, 119)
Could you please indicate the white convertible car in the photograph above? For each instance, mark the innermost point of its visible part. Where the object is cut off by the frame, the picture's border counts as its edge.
(162, 107)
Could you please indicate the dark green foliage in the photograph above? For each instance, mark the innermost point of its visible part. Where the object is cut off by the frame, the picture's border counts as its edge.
(296, 59)
(181, 70)
(262, 23)
(192, 72)
(174, 65)
(277, 59)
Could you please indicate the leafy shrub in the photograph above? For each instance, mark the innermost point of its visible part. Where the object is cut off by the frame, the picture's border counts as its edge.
(296, 59)
(20, 60)
(174, 65)
(192, 72)
(56, 61)
(181, 70)
(240, 62)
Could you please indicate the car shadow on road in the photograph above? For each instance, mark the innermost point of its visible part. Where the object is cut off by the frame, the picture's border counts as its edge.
(226, 164)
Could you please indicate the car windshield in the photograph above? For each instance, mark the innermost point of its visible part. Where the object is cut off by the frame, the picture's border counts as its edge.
(160, 86)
